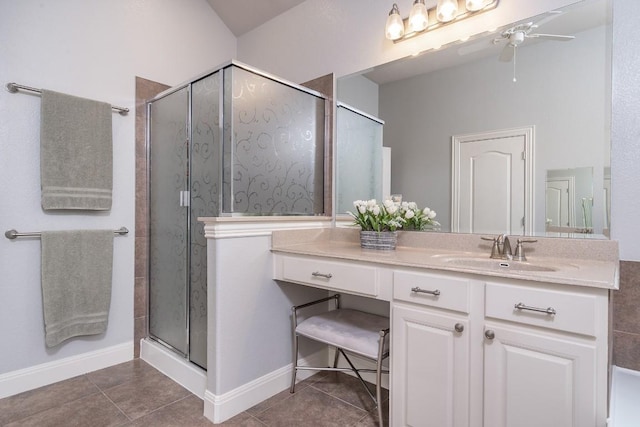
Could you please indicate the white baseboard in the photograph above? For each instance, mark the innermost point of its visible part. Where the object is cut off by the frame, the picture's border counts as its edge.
(47, 373)
(219, 408)
(175, 367)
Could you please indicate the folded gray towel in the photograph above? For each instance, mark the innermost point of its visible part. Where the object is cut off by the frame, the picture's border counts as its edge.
(76, 153)
(76, 282)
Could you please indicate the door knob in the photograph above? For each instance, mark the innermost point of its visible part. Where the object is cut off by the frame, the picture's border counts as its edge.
(459, 327)
(489, 334)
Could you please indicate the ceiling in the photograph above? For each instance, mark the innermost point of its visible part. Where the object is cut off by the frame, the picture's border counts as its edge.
(242, 16)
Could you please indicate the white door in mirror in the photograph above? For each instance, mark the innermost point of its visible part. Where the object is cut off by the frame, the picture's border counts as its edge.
(490, 182)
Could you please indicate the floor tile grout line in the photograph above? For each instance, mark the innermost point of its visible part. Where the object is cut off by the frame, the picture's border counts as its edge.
(341, 400)
(160, 407)
(116, 405)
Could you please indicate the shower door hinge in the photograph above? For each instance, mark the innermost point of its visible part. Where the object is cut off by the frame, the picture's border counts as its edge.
(185, 198)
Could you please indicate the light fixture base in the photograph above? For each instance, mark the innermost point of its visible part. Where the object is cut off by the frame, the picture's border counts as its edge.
(434, 24)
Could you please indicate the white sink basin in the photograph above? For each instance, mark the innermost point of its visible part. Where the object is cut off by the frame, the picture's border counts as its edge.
(498, 264)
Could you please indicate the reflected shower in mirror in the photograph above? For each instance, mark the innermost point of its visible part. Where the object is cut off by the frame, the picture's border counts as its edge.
(358, 157)
(569, 201)
(562, 92)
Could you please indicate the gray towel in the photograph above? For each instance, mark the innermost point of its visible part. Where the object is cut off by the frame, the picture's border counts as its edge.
(76, 153)
(76, 282)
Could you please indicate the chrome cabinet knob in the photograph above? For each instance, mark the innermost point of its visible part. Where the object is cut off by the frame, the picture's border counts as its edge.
(459, 327)
(489, 334)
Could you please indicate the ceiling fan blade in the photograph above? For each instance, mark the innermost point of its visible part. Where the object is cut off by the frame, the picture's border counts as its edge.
(507, 53)
(555, 37)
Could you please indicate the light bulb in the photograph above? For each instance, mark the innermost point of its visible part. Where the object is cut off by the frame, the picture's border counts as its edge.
(473, 5)
(446, 10)
(418, 18)
(395, 27)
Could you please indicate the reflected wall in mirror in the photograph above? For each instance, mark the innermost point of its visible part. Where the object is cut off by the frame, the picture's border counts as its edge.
(562, 91)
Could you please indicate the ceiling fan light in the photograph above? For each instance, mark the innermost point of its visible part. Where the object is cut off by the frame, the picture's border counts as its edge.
(446, 10)
(395, 27)
(474, 5)
(418, 18)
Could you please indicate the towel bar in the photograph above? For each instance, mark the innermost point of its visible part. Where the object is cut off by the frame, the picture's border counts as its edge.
(14, 87)
(12, 234)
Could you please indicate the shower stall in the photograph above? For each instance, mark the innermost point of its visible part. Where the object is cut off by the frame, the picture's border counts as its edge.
(234, 141)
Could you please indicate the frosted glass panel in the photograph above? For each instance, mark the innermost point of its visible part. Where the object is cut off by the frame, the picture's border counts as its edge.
(168, 163)
(274, 147)
(358, 159)
(205, 177)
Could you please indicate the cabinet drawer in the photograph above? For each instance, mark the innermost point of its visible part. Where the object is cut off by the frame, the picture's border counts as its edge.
(452, 293)
(574, 312)
(333, 275)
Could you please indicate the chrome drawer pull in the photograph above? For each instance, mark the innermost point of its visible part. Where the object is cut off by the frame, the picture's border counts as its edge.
(425, 291)
(325, 275)
(521, 306)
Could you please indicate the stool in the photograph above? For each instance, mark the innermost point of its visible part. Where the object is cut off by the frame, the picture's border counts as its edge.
(352, 331)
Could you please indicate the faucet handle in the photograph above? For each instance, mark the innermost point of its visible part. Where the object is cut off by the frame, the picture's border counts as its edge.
(496, 250)
(519, 253)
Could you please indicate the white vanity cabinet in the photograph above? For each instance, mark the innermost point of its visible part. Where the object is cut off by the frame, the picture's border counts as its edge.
(545, 363)
(478, 360)
(473, 345)
(430, 357)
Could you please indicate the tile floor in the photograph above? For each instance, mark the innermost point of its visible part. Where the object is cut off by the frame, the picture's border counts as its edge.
(136, 394)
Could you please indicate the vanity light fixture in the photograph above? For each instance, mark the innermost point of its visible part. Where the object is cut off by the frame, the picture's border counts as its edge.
(395, 27)
(421, 19)
(418, 18)
(474, 5)
(446, 10)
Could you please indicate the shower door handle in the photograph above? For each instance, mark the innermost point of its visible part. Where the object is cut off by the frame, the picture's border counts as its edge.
(185, 198)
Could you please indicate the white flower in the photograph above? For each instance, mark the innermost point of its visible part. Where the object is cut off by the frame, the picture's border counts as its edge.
(362, 209)
(392, 209)
(410, 214)
(426, 211)
(432, 214)
(404, 205)
(371, 203)
(357, 203)
(376, 210)
(388, 204)
(413, 206)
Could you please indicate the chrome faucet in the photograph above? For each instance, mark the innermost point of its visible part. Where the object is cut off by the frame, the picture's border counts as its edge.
(501, 248)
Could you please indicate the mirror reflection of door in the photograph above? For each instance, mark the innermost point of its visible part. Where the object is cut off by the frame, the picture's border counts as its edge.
(491, 184)
(560, 199)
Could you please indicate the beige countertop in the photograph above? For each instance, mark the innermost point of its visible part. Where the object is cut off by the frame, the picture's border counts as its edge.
(562, 261)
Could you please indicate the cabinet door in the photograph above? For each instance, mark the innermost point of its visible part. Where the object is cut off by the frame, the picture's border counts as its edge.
(533, 380)
(430, 368)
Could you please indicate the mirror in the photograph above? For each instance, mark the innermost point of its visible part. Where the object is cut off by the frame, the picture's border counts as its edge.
(561, 91)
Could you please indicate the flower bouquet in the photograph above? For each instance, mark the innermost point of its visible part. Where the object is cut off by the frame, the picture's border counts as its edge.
(379, 223)
(417, 219)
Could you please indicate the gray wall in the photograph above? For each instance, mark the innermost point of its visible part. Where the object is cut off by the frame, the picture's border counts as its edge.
(359, 92)
(554, 92)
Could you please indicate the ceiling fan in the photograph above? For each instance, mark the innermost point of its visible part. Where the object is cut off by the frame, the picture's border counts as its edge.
(517, 34)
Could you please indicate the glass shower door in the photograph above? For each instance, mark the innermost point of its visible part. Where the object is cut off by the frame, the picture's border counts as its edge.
(168, 220)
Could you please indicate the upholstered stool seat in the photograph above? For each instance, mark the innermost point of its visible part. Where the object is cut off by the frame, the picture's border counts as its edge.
(349, 331)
